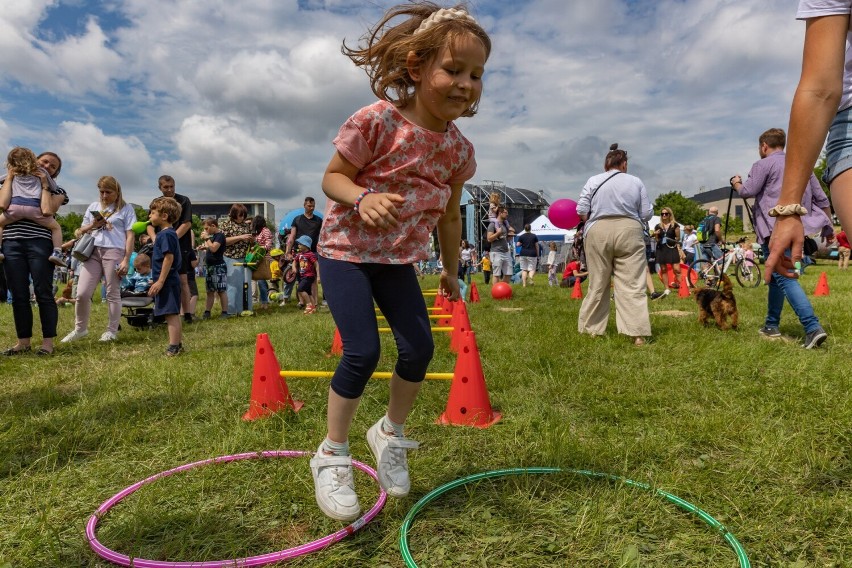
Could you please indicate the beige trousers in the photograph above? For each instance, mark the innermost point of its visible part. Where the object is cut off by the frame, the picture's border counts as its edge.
(615, 249)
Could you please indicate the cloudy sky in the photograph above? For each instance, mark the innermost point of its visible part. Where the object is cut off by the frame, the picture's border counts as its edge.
(239, 99)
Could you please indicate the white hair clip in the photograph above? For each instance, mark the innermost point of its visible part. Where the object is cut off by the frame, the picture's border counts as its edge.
(443, 15)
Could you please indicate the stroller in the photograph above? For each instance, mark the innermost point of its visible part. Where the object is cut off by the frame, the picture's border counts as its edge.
(139, 312)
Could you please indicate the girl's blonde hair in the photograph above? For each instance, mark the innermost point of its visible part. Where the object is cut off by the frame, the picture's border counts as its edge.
(552, 246)
(384, 49)
(494, 198)
(109, 182)
(22, 160)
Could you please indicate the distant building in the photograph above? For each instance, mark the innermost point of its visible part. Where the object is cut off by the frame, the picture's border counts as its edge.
(719, 197)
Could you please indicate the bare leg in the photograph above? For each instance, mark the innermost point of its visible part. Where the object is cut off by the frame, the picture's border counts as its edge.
(341, 412)
(223, 301)
(402, 396)
(174, 326)
(841, 196)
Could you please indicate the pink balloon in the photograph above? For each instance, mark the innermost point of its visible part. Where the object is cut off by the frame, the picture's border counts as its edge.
(563, 213)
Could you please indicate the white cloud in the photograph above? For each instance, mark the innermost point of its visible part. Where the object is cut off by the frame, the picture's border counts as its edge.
(88, 153)
(220, 159)
(74, 65)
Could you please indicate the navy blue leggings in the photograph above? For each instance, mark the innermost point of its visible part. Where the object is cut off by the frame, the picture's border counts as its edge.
(350, 289)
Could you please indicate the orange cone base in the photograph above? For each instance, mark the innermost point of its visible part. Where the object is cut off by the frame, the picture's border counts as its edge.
(475, 420)
(258, 410)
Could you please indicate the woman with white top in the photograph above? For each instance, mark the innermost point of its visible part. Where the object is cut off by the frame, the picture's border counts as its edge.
(616, 209)
(110, 220)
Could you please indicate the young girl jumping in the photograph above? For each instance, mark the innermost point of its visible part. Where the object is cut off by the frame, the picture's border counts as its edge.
(397, 173)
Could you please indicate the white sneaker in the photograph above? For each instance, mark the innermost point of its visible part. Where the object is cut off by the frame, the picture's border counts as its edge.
(108, 336)
(334, 486)
(391, 459)
(74, 336)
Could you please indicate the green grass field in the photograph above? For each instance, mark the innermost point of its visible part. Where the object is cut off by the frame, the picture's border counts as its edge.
(758, 433)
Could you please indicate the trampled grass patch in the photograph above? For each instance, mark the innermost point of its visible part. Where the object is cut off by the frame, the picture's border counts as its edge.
(756, 432)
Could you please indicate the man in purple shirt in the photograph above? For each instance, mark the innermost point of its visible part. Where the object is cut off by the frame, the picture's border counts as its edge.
(764, 184)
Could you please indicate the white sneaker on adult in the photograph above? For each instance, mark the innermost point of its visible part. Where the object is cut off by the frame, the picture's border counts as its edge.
(75, 335)
(391, 453)
(108, 336)
(334, 486)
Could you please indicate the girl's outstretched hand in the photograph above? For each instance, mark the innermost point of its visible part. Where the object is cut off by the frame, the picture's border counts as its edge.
(449, 286)
(379, 209)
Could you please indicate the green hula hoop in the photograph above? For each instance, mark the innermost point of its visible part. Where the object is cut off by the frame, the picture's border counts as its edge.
(685, 505)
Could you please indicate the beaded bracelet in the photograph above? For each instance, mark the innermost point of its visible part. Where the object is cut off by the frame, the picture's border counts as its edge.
(360, 197)
(787, 210)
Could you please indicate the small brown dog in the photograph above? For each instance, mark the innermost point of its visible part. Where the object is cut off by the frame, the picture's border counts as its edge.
(718, 303)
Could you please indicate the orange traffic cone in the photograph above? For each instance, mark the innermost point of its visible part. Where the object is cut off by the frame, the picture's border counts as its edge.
(336, 343)
(577, 293)
(269, 392)
(822, 286)
(439, 301)
(461, 325)
(474, 293)
(468, 403)
(683, 291)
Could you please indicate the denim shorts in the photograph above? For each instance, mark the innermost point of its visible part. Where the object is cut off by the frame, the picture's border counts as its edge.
(838, 148)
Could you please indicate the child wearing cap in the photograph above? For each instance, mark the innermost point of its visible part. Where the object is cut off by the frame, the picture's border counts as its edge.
(276, 255)
(305, 262)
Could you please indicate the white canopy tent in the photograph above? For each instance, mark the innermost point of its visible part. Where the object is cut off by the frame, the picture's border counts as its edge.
(547, 231)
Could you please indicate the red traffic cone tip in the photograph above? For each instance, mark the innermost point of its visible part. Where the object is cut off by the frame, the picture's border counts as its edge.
(468, 403)
(337, 343)
(822, 286)
(474, 293)
(269, 392)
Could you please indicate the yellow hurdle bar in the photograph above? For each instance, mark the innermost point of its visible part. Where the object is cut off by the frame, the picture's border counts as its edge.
(378, 311)
(434, 329)
(378, 375)
(430, 316)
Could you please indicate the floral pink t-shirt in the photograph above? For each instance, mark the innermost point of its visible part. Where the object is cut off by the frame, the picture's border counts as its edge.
(395, 156)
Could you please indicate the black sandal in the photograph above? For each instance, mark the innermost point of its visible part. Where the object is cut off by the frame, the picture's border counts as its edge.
(12, 351)
(43, 351)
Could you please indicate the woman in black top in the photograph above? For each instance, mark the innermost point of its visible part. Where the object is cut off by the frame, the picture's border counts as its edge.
(27, 247)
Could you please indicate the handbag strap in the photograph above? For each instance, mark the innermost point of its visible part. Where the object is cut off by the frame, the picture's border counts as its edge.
(595, 192)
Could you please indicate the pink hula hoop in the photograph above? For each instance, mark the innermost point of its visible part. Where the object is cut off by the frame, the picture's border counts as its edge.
(261, 560)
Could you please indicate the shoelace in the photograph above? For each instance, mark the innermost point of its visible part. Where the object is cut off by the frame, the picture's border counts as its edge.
(341, 476)
(398, 449)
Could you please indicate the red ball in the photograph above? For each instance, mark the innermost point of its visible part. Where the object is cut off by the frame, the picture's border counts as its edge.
(501, 291)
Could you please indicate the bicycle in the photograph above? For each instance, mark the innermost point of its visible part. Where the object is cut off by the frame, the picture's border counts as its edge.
(709, 272)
